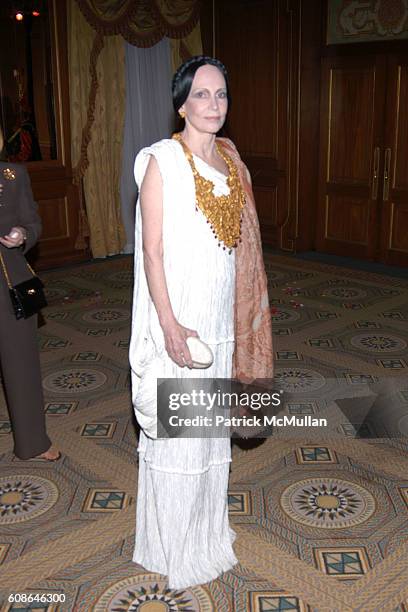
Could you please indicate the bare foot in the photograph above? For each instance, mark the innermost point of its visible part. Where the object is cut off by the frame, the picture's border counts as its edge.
(50, 455)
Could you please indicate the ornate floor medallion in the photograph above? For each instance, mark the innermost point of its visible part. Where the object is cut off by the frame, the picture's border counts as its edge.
(23, 498)
(378, 343)
(74, 380)
(329, 503)
(107, 315)
(149, 593)
(298, 380)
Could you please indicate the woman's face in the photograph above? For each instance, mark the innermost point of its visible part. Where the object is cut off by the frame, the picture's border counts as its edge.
(207, 104)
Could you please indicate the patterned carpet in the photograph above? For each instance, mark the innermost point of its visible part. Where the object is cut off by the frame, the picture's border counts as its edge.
(322, 523)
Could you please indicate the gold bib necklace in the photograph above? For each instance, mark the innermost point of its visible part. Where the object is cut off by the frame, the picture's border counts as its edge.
(223, 213)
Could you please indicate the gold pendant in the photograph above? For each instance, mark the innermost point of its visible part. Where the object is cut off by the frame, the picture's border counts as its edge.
(9, 174)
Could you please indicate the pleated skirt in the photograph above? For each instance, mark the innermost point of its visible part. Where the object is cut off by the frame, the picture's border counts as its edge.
(182, 526)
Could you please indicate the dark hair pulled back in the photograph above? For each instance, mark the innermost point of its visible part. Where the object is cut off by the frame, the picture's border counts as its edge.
(183, 78)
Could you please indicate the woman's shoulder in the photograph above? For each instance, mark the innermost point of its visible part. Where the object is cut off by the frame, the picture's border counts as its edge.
(165, 152)
(230, 147)
(228, 144)
(166, 145)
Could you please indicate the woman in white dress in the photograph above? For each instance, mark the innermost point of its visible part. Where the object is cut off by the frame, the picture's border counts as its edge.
(192, 203)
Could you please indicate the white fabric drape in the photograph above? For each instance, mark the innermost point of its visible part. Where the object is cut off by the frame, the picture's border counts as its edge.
(149, 117)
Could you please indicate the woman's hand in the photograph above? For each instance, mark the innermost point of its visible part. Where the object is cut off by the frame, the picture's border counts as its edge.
(175, 336)
(15, 238)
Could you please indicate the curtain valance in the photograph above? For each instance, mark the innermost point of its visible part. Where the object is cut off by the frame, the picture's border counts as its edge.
(142, 23)
(97, 33)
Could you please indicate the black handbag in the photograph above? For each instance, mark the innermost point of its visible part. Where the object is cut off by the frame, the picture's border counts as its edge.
(27, 297)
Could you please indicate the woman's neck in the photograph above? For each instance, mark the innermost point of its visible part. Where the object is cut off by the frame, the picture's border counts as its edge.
(200, 144)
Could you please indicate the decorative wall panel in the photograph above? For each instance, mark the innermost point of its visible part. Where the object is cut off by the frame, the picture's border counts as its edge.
(362, 21)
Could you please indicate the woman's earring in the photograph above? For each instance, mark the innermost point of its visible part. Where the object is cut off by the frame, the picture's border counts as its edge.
(182, 114)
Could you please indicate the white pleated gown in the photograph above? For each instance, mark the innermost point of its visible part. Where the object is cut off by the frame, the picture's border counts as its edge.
(182, 527)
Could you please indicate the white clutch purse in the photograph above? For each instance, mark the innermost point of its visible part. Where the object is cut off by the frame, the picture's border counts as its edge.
(201, 354)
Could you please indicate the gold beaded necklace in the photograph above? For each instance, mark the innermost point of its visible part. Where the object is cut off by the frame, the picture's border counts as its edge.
(223, 213)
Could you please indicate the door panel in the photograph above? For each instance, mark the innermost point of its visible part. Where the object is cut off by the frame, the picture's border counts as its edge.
(352, 97)
(256, 39)
(347, 219)
(394, 236)
(350, 125)
(399, 123)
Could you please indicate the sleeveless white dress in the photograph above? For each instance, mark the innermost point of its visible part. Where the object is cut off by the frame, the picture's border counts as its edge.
(182, 528)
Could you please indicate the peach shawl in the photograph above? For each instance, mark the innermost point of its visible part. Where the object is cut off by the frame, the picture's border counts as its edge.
(253, 356)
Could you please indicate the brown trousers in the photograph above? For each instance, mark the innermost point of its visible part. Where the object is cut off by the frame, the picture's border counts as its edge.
(21, 374)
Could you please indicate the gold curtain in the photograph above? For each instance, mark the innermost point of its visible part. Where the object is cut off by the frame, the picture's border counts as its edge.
(188, 46)
(97, 118)
(142, 23)
(97, 29)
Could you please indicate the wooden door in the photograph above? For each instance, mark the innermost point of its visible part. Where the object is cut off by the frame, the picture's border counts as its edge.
(52, 180)
(258, 42)
(35, 115)
(351, 155)
(394, 178)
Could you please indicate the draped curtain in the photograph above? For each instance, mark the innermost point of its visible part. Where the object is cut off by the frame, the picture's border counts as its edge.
(149, 116)
(142, 23)
(97, 160)
(97, 33)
